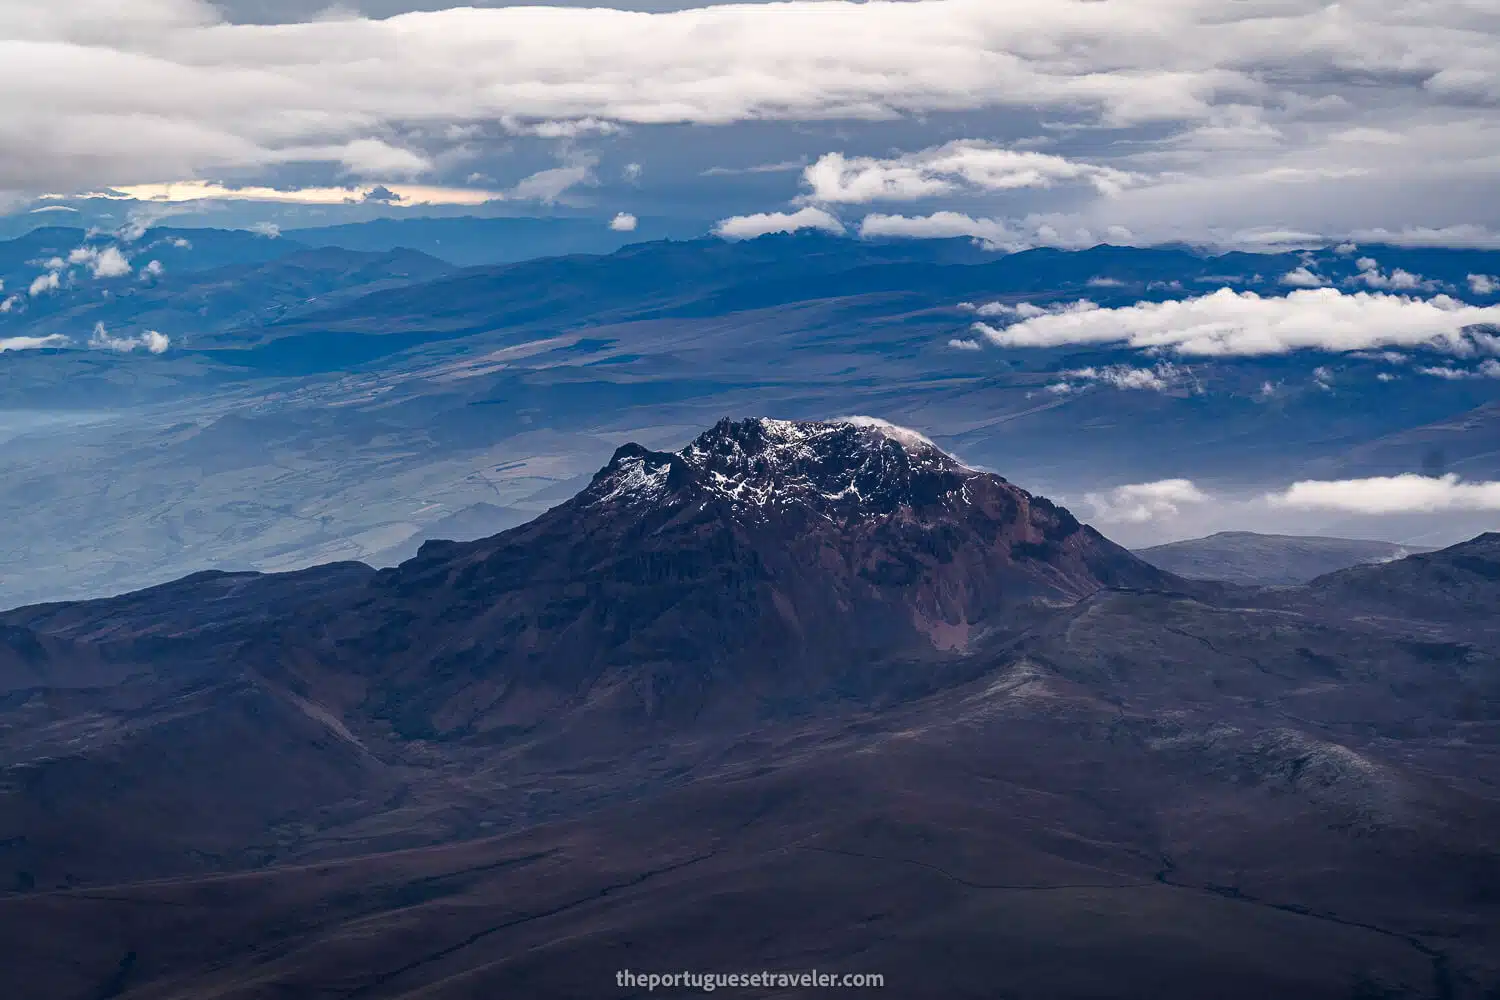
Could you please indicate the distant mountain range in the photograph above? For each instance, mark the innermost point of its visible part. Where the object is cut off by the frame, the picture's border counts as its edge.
(321, 404)
(809, 694)
(1245, 557)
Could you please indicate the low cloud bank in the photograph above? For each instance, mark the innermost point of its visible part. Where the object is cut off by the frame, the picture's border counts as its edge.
(965, 165)
(1226, 323)
(1390, 495)
(1164, 500)
(31, 343)
(746, 227)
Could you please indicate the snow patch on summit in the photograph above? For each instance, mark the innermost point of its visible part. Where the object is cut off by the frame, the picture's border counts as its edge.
(904, 436)
(639, 478)
(848, 465)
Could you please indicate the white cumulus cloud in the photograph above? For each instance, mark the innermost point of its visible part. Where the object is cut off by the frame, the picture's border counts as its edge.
(624, 222)
(1398, 280)
(1228, 323)
(1303, 277)
(1484, 284)
(108, 262)
(1140, 502)
(1390, 495)
(1159, 378)
(151, 340)
(1487, 369)
(44, 283)
(966, 165)
(741, 227)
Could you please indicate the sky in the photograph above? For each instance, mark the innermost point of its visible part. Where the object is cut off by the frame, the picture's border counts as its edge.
(1045, 122)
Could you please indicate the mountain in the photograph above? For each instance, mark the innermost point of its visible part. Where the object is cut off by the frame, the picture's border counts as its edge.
(203, 307)
(768, 568)
(470, 242)
(768, 560)
(796, 695)
(1245, 557)
(294, 424)
(1461, 582)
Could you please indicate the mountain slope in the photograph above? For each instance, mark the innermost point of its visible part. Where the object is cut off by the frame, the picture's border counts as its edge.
(1248, 558)
(796, 695)
(766, 560)
(1459, 583)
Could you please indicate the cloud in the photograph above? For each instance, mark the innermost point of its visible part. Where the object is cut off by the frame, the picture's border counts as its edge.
(1302, 277)
(1108, 282)
(44, 283)
(1160, 378)
(141, 218)
(624, 222)
(207, 97)
(1463, 235)
(175, 198)
(152, 341)
(153, 269)
(31, 343)
(547, 186)
(994, 234)
(742, 227)
(1228, 323)
(1398, 280)
(966, 165)
(376, 158)
(1487, 369)
(1297, 115)
(965, 344)
(108, 262)
(1027, 310)
(269, 230)
(1006, 236)
(784, 166)
(1140, 502)
(1484, 284)
(1390, 495)
(1370, 136)
(565, 129)
(905, 435)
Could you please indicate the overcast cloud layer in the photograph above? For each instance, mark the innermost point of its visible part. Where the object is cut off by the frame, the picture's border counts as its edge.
(1064, 123)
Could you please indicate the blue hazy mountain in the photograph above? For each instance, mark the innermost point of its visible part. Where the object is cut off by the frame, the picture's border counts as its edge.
(470, 241)
(324, 403)
(1246, 557)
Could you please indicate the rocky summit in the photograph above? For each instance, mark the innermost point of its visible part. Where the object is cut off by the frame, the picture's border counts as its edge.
(763, 562)
(855, 468)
